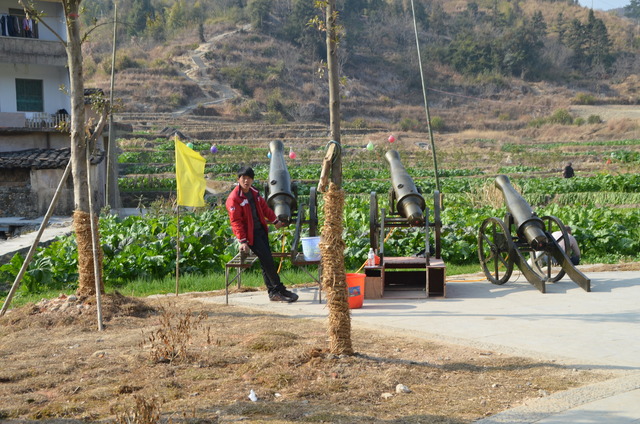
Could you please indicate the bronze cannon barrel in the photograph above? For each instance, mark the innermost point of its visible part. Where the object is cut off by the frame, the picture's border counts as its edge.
(410, 203)
(280, 197)
(529, 225)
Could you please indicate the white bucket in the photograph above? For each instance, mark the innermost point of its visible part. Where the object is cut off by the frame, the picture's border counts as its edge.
(311, 248)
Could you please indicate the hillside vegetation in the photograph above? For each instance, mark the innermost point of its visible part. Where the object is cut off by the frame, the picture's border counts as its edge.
(516, 60)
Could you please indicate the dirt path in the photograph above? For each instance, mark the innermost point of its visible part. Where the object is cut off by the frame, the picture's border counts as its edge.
(607, 112)
(195, 362)
(214, 91)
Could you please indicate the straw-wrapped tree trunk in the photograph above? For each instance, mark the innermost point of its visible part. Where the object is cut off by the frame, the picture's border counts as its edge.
(332, 245)
(79, 150)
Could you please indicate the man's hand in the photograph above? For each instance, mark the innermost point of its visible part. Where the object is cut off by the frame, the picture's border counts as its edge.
(244, 247)
(281, 224)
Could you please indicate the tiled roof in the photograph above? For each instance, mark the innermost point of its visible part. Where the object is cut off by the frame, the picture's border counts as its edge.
(41, 158)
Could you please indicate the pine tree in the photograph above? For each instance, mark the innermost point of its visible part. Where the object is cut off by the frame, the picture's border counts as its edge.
(632, 10)
(140, 11)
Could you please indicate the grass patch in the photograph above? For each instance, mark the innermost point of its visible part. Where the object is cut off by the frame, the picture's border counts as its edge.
(188, 283)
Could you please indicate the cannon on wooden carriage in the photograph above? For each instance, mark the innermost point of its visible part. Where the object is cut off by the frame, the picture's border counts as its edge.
(407, 208)
(525, 240)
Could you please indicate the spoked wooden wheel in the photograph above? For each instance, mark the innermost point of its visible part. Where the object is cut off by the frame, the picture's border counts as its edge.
(545, 265)
(496, 250)
(374, 221)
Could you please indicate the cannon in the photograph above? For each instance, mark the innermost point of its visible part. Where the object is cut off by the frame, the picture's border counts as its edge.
(282, 196)
(407, 208)
(279, 191)
(525, 240)
(408, 200)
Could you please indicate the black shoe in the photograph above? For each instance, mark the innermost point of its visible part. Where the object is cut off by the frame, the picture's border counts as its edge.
(279, 297)
(291, 295)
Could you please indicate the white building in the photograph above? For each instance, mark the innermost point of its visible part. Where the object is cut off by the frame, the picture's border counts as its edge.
(33, 64)
(33, 104)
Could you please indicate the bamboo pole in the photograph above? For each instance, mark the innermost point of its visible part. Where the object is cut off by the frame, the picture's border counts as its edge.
(111, 188)
(97, 275)
(426, 103)
(178, 250)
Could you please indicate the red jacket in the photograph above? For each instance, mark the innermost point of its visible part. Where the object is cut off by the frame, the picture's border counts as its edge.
(240, 214)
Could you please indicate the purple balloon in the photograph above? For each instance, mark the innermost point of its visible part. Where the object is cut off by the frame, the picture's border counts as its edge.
(214, 149)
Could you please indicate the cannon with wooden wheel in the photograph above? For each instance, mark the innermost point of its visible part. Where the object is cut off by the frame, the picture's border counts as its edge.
(524, 240)
(407, 208)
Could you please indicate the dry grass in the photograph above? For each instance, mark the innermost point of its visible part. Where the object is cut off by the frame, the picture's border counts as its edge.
(58, 368)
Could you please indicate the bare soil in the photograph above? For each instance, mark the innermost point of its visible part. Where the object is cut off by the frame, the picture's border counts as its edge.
(178, 360)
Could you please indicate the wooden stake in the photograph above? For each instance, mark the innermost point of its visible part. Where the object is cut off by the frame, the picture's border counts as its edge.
(178, 251)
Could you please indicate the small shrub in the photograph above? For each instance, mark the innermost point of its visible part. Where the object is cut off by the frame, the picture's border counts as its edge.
(384, 100)
(579, 121)
(594, 119)
(437, 123)
(170, 343)
(274, 102)
(251, 109)
(537, 123)
(408, 124)
(175, 100)
(145, 411)
(275, 117)
(584, 99)
(561, 116)
(359, 123)
(122, 62)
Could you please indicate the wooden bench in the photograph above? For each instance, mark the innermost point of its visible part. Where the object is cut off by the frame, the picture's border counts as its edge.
(241, 262)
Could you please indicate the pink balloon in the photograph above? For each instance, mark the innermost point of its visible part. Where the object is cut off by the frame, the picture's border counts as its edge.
(292, 154)
(392, 139)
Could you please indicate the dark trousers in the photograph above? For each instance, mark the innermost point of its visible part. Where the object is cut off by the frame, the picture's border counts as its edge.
(262, 250)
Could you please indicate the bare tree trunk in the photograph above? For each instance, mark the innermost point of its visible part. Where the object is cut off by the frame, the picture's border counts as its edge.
(334, 89)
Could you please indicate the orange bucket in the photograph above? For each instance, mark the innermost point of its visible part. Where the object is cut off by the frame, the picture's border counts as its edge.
(355, 287)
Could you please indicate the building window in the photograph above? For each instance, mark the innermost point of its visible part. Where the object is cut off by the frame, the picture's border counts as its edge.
(29, 95)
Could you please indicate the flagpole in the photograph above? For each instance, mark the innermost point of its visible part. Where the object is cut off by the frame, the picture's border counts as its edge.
(178, 250)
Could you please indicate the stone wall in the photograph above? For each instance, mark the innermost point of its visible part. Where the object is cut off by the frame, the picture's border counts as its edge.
(45, 182)
(28, 193)
(18, 201)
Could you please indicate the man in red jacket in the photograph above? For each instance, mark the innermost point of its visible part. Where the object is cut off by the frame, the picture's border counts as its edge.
(249, 213)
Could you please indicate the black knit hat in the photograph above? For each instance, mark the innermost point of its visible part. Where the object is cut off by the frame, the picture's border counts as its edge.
(246, 171)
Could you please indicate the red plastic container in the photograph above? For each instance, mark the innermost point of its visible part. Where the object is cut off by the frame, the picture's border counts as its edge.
(355, 286)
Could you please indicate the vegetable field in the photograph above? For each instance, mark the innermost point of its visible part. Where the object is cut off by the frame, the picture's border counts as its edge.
(602, 208)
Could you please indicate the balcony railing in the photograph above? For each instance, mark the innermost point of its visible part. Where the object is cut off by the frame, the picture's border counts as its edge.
(32, 51)
(47, 120)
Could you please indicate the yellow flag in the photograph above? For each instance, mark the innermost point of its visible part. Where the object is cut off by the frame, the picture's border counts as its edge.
(189, 176)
